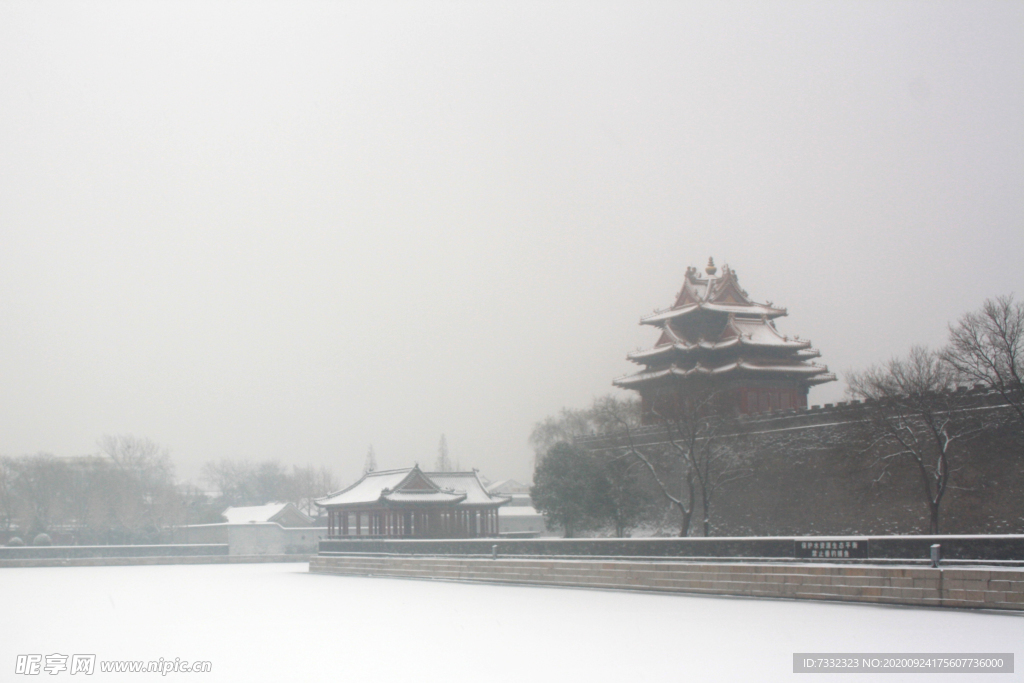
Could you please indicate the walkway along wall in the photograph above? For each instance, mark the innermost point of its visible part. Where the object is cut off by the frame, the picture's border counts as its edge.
(982, 548)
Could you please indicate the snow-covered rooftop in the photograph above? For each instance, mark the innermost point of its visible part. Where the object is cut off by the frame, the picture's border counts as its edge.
(412, 486)
(811, 372)
(255, 513)
(718, 294)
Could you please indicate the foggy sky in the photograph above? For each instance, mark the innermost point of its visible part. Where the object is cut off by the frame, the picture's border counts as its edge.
(292, 229)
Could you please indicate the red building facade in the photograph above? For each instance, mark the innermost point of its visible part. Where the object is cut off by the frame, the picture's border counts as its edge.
(716, 342)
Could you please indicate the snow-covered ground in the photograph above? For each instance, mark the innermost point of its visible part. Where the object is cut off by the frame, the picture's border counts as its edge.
(276, 622)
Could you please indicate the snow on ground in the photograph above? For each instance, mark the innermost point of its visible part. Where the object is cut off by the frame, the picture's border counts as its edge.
(276, 622)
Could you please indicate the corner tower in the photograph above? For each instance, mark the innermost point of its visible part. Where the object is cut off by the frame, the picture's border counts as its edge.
(716, 340)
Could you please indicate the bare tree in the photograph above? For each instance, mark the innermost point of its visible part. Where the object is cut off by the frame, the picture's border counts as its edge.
(40, 492)
(693, 433)
(7, 469)
(233, 480)
(619, 490)
(570, 424)
(619, 421)
(916, 416)
(146, 496)
(987, 347)
(310, 483)
(245, 483)
(690, 445)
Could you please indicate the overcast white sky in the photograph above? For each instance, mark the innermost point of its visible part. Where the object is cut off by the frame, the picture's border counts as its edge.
(292, 229)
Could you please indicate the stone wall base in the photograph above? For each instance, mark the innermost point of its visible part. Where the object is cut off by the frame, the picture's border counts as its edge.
(959, 587)
(124, 561)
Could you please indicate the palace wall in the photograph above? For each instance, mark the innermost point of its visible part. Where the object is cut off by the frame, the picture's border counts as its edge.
(807, 472)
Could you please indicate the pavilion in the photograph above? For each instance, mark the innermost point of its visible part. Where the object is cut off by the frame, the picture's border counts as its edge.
(410, 503)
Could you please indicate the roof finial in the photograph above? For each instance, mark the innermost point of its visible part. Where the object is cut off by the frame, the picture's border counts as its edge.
(711, 270)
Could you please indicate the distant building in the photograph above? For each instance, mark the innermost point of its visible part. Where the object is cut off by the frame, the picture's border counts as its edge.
(715, 339)
(285, 514)
(507, 487)
(272, 529)
(410, 503)
(520, 518)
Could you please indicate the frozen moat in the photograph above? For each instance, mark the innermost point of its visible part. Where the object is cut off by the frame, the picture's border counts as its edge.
(276, 622)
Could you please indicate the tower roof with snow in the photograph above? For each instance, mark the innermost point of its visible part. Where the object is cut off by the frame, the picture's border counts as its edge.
(716, 332)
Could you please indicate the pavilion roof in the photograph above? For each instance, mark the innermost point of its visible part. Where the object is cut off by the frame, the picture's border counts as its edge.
(412, 486)
(468, 483)
(714, 329)
(721, 294)
(811, 373)
(748, 332)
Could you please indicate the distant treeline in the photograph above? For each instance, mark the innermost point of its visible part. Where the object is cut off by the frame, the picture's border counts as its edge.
(126, 493)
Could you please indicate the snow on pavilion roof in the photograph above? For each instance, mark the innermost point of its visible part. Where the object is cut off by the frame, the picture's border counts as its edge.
(412, 486)
(718, 294)
(468, 483)
(738, 332)
(811, 373)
